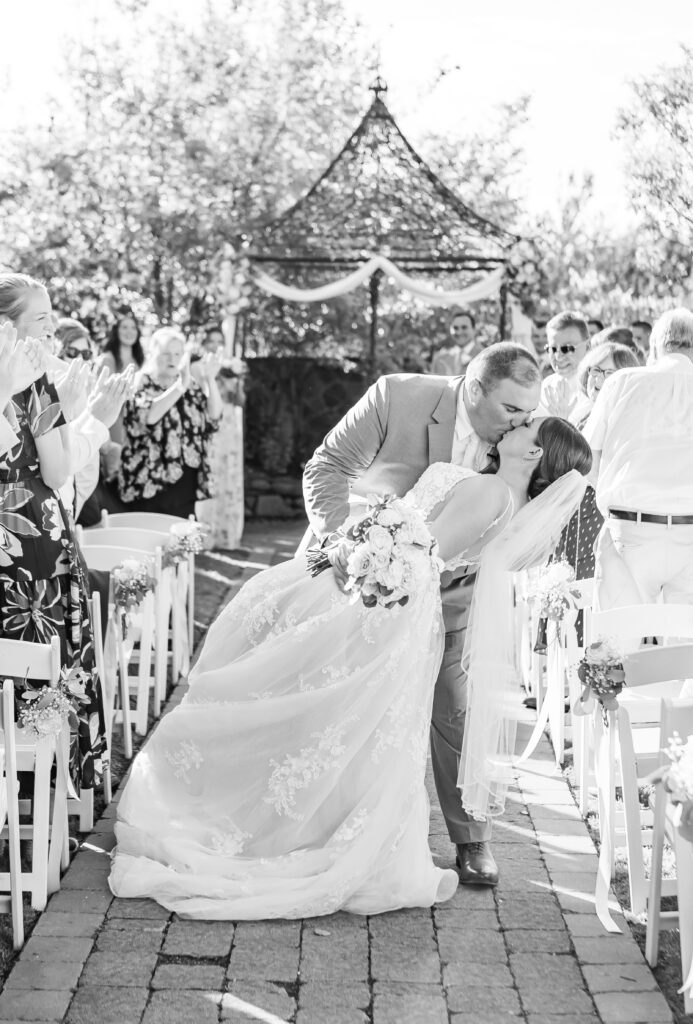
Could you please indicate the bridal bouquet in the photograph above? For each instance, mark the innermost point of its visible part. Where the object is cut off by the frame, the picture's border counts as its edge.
(385, 565)
(187, 538)
(132, 581)
(601, 672)
(552, 592)
(677, 777)
(43, 711)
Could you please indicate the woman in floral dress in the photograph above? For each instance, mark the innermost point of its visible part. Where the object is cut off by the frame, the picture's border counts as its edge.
(42, 588)
(168, 426)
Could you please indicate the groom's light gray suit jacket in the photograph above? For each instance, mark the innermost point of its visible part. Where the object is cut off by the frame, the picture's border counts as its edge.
(403, 424)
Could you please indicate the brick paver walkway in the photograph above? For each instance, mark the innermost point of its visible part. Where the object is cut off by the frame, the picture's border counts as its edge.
(532, 950)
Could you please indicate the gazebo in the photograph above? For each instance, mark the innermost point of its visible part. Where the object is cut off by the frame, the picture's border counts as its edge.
(380, 209)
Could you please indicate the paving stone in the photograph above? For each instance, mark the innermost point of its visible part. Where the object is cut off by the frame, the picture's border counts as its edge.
(81, 901)
(57, 950)
(69, 925)
(253, 934)
(182, 1007)
(249, 999)
(580, 881)
(188, 976)
(619, 977)
(415, 1004)
(37, 974)
(145, 909)
(633, 1008)
(199, 938)
(469, 973)
(122, 969)
(389, 966)
(85, 879)
(489, 1017)
(542, 915)
(352, 995)
(34, 1005)
(540, 994)
(556, 1018)
(101, 1004)
(482, 947)
(467, 921)
(340, 921)
(129, 940)
(333, 1014)
(589, 924)
(603, 950)
(480, 1001)
(546, 968)
(531, 941)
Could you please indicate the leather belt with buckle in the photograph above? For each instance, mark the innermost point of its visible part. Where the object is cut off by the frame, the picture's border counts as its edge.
(649, 517)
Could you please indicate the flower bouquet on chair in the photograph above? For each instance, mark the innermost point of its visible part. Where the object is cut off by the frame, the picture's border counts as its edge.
(391, 553)
(602, 676)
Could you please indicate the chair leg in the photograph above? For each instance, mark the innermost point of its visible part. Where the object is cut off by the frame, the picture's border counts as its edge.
(144, 669)
(684, 890)
(124, 687)
(86, 810)
(654, 902)
(41, 825)
(631, 810)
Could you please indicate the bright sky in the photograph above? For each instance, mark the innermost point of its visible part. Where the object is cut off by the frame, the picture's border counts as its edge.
(574, 59)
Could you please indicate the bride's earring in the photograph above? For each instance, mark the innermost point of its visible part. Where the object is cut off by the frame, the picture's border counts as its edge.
(534, 454)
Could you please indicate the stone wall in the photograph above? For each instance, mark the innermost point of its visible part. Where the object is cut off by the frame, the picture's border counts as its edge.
(291, 403)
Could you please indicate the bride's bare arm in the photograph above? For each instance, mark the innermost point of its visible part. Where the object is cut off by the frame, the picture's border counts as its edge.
(473, 507)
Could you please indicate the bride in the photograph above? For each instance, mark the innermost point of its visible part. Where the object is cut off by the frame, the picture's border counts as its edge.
(290, 781)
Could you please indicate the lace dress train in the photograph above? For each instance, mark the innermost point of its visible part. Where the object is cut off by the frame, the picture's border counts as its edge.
(290, 781)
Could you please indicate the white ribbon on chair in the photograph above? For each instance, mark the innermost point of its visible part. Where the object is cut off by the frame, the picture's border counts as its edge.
(604, 759)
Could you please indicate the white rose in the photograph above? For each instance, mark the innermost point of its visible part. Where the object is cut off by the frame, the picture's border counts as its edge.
(379, 540)
(359, 562)
(390, 517)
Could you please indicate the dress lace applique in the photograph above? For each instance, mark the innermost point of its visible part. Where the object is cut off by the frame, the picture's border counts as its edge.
(350, 829)
(434, 485)
(187, 757)
(298, 770)
(230, 840)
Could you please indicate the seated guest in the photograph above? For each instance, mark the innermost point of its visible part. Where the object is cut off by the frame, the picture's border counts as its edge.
(567, 338)
(594, 326)
(616, 335)
(168, 425)
(599, 364)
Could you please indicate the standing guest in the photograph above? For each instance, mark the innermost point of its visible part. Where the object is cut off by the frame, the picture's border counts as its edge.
(641, 335)
(73, 340)
(641, 433)
(168, 427)
(567, 338)
(42, 586)
(223, 513)
(616, 335)
(594, 327)
(123, 348)
(598, 365)
(451, 361)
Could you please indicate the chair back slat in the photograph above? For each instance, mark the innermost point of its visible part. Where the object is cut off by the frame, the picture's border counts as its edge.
(21, 658)
(665, 620)
(141, 520)
(105, 558)
(143, 540)
(658, 665)
(677, 716)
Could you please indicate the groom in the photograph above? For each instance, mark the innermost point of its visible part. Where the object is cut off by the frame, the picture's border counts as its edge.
(403, 424)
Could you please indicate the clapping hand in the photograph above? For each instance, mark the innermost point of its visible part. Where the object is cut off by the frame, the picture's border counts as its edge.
(207, 367)
(109, 393)
(21, 362)
(72, 387)
(184, 374)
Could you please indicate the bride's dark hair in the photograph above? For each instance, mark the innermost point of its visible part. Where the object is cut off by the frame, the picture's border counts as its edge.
(564, 448)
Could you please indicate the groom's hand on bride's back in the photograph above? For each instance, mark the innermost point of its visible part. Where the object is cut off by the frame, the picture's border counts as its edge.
(338, 555)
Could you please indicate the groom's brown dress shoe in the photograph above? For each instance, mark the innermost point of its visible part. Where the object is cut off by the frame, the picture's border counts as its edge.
(476, 864)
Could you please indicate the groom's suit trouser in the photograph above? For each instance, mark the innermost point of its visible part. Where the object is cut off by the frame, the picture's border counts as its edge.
(447, 732)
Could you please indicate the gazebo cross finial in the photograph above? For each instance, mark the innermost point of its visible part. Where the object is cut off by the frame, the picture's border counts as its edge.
(379, 86)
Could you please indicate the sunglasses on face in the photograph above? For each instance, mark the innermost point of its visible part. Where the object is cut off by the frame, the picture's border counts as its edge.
(564, 349)
(77, 353)
(597, 373)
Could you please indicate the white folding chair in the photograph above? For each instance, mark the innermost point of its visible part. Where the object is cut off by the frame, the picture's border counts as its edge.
(626, 749)
(108, 689)
(676, 717)
(10, 894)
(118, 651)
(36, 755)
(186, 573)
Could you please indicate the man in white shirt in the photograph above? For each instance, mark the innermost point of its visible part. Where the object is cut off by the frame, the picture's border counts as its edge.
(567, 337)
(641, 434)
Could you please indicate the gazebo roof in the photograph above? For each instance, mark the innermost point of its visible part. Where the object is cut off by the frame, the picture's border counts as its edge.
(379, 196)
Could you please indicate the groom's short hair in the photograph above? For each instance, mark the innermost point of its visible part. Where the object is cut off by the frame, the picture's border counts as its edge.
(502, 361)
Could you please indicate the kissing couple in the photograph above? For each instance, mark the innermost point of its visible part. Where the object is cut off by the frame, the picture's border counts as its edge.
(289, 783)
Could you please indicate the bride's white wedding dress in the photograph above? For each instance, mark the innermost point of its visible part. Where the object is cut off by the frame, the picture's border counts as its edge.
(290, 781)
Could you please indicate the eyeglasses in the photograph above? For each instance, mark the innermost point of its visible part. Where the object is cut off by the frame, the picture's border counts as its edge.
(77, 353)
(598, 374)
(564, 349)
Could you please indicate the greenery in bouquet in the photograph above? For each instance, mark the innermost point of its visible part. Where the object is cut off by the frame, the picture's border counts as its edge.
(132, 581)
(601, 673)
(391, 553)
(677, 778)
(186, 538)
(43, 711)
(554, 590)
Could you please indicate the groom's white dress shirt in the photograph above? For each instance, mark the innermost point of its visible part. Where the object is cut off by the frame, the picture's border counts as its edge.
(468, 449)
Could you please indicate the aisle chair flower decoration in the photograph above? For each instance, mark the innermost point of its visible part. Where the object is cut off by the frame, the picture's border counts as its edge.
(601, 673)
(186, 538)
(553, 591)
(677, 778)
(384, 566)
(42, 712)
(132, 581)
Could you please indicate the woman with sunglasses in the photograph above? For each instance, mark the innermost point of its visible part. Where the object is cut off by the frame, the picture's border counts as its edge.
(74, 340)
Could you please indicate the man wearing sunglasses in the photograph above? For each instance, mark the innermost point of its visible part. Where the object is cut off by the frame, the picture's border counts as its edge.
(567, 337)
